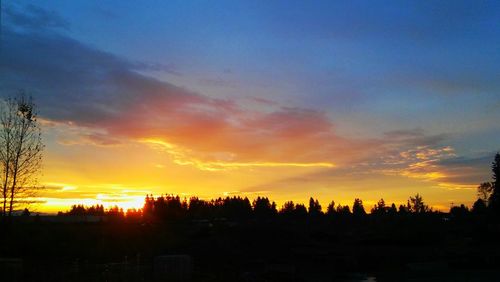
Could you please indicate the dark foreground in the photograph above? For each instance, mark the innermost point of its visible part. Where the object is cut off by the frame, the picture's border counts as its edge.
(431, 248)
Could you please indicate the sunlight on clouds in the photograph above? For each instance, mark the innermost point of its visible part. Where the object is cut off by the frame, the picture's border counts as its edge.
(216, 166)
(423, 163)
(68, 188)
(418, 163)
(180, 157)
(428, 176)
(245, 194)
(454, 186)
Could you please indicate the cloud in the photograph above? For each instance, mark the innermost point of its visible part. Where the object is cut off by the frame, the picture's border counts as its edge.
(96, 139)
(404, 133)
(33, 17)
(262, 101)
(107, 101)
(184, 157)
(439, 165)
(421, 162)
(467, 170)
(413, 137)
(103, 99)
(167, 68)
(218, 82)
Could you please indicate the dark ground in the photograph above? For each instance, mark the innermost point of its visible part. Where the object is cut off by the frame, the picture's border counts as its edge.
(365, 249)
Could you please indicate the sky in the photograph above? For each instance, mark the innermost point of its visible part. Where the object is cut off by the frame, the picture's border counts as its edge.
(286, 99)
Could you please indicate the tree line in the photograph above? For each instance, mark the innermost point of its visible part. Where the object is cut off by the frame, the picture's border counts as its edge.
(172, 207)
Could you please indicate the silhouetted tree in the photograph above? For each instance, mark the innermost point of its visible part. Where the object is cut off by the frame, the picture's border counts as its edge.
(97, 210)
(416, 205)
(459, 211)
(26, 212)
(330, 210)
(479, 207)
(484, 191)
(115, 211)
(263, 208)
(148, 209)
(168, 207)
(484, 195)
(77, 210)
(357, 208)
(200, 208)
(300, 211)
(379, 208)
(392, 210)
(494, 200)
(343, 210)
(288, 208)
(133, 214)
(403, 209)
(314, 207)
(174, 208)
(20, 152)
(236, 208)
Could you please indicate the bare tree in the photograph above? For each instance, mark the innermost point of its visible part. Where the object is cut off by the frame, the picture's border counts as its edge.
(7, 123)
(20, 152)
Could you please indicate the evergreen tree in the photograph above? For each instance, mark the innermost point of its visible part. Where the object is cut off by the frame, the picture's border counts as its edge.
(403, 209)
(379, 208)
(392, 210)
(343, 210)
(416, 204)
(314, 207)
(288, 208)
(263, 208)
(300, 210)
(357, 208)
(479, 207)
(494, 200)
(330, 210)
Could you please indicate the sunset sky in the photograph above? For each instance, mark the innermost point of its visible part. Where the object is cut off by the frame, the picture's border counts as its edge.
(287, 99)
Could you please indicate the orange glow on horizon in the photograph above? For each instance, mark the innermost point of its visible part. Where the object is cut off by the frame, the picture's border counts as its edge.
(122, 175)
(54, 205)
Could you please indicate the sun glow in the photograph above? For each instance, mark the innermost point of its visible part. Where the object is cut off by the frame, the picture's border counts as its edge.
(54, 205)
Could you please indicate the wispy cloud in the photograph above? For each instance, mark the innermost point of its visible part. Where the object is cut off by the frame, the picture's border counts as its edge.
(439, 165)
(185, 157)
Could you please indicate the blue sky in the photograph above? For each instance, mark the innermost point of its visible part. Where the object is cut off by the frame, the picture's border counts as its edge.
(398, 76)
(376, 58)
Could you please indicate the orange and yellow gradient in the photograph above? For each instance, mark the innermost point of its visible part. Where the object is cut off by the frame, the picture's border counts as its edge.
(123, 174)
(262, 100)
